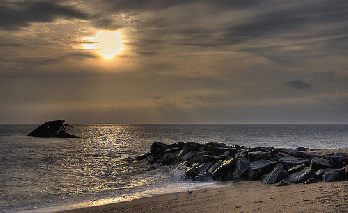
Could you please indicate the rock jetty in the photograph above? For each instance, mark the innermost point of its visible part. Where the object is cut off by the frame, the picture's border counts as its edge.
(219, 162)
(55, 128)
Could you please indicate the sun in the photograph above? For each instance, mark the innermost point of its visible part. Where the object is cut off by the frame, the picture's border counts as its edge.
(108, 43)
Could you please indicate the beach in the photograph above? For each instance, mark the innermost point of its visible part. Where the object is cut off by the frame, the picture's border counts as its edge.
(243, 196)
(246, 196)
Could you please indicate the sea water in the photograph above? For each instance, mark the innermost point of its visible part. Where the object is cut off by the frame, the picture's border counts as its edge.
(54, 174)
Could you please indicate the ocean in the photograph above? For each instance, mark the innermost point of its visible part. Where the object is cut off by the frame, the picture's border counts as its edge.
(55, 174)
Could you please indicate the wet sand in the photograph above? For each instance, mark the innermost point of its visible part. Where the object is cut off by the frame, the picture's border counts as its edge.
(246, 196)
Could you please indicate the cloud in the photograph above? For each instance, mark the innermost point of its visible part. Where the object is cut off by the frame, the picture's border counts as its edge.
(125, 5)
(298, 84)
(297, 17)
(11, 18)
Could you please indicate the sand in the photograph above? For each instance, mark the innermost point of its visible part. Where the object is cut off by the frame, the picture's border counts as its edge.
(245, 196)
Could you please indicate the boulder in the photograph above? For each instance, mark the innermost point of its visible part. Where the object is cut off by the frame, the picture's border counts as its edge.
(301, 176)
(55, 128)
(188, 147)
(158, 148)
(199, 157)
(338, 160)
(259, 168)
(334, 175)
(169, 158)
(241, 169)
(307, 155)
(296, 169)
(143, 156)
(311, 180)
(171, 149)
(216, 148)
(204, 177)
(320, 163)
(197, 172)
(214, 167)
(300, 148)
(222, 172)
(276, 175)
(321, 172)
(185, 157)
(258, 155)
(284, 182)
(192, 172)
(290, 161)
(289, 152)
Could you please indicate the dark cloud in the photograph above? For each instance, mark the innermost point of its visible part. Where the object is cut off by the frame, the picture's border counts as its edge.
(198, 36)
(298, 84)
(81, 55)
(31, 62)
(11, 18)
(125, 5)
(105, 23)
(11, 45)
(291, 18)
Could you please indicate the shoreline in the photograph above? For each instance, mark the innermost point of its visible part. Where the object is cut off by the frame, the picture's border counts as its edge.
(245, 196)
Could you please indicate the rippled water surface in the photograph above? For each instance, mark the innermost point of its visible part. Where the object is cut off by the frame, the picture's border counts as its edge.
(98, 168)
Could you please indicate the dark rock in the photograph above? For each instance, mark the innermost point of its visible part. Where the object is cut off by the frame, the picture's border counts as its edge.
(301, 176)
(346, 172)
(307, 155)
(222, 172)
(204, 177)
(216, 148)
(144, 156)
(216, 161)
(186, 156)
(214, 167)
(284, 183)
(189, 147)
(275, 176)
(171, 149)
(320, 163)
(55, 128)
(258, 155)
(289, 152)
(334, 175)
(320, 173)
(301, 148)
(192, 172)
(169, 158)
(311, 180)
(282, 154)
(296, 169)
(158, 148)
(241, 169)
(259, 168)
(338, 160)
(199, 157)
(197, 171)
(289, 162)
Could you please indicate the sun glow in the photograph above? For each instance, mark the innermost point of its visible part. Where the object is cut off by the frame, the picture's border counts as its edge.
(108, 43)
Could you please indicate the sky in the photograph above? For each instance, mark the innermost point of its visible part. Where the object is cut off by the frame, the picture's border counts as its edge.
(174, 62)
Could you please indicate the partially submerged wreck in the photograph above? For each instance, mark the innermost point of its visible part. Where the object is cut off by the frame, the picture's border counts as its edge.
(55, 128)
